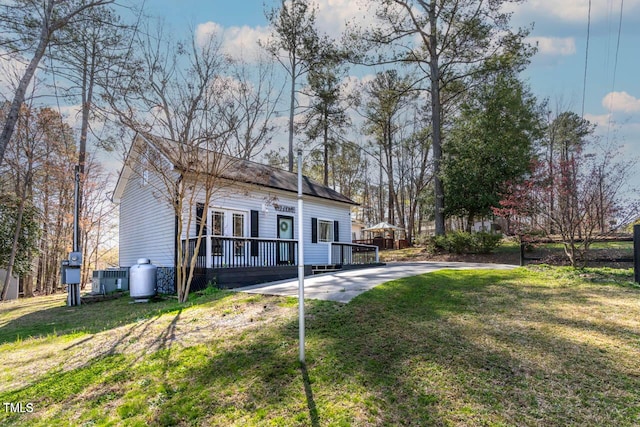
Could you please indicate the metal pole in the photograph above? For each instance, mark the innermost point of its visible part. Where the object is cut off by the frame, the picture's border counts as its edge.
(73, 289)
(636, 252)
(76, 208)
(300, 260)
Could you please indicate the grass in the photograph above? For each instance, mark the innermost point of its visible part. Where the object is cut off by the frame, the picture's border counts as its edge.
(508, 252)
(45, 316)
(536, 346)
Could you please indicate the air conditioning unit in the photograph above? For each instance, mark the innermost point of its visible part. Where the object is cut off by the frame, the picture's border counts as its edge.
(108, 281)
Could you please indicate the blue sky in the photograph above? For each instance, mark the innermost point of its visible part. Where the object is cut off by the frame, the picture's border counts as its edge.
(556, 72)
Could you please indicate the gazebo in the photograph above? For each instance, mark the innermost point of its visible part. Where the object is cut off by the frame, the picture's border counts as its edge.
(383, 242)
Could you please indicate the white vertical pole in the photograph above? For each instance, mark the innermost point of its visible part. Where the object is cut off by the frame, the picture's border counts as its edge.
(300, 259)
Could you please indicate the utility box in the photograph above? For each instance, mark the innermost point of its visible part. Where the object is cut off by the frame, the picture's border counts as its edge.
(70, 274)
(75, 259)
(108, 281)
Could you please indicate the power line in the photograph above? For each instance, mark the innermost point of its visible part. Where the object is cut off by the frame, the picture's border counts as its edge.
(586, 60)
(615, 68)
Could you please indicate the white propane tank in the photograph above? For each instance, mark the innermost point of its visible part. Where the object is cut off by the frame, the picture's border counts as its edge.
(142, 279)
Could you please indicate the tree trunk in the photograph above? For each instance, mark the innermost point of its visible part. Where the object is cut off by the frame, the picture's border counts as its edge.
(18, 98)
(436, 121)
(27, 286)
(326, 149)
(470, 218)
(292, 106)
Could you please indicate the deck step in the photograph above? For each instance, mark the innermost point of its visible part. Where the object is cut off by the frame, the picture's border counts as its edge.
(319, 269)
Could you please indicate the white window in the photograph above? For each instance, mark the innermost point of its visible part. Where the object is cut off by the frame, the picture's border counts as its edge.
(238, 231)
(218, 223)
(145, 177)
(325, 230)
(217, 219)
(238, 225)
(227, 223)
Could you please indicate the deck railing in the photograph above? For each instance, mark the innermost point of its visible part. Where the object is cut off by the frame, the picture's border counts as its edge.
(352, 254)
(235, 252)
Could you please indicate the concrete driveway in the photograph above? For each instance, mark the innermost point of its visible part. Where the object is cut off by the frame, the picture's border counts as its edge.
(343, 286)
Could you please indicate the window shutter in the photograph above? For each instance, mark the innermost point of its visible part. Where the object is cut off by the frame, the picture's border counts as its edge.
(336, 231)
(255, 232)
(314, 230)
(200, 214)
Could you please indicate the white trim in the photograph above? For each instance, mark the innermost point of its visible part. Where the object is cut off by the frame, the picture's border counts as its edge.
(127, 169)
(228, 222)
(331, 229)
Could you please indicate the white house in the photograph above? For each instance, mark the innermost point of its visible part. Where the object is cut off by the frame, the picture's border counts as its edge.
(251, 222)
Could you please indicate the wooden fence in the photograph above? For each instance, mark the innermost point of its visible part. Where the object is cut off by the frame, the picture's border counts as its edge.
(635, 258)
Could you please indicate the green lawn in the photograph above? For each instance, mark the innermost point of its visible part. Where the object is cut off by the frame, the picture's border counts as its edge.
(540, 346)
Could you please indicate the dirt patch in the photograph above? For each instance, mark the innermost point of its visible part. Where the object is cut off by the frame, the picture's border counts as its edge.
(183, 328)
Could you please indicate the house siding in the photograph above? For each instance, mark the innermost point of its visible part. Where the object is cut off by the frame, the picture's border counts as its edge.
(147, 223)
(244, 198)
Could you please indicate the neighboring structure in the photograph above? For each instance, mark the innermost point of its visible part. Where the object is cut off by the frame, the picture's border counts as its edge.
(251, 222)
(14, 288)
(356, 230)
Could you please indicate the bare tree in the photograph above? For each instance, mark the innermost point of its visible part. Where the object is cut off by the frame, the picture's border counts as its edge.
(96, 217)
(589, 189)
(40, 136)
(295, 43)
(28, 27)
(388, 97)
(452, 43)
(254, 90)
(173, 102)
(81, 56)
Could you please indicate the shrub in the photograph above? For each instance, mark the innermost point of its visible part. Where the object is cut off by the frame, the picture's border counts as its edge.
(427, 242)
(461, 242)
(485, 243)
(458, 242)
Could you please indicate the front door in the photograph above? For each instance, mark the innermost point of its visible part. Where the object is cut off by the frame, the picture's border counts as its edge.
(285, 251)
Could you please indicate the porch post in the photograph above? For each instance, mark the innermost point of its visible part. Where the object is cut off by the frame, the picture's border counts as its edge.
(207, 240)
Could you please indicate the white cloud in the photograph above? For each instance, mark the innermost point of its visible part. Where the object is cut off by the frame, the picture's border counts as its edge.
(621, 101)
(207, 30)
(554, 46)
(602, 120)
(236, 41)
(573, 11)
(11, 70)
(71, 114)
(334, 16)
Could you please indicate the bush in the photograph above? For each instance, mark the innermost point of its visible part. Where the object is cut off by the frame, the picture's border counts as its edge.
(461, 242)
(485, 243)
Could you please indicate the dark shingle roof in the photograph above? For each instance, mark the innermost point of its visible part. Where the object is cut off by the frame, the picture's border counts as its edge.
(249, 172)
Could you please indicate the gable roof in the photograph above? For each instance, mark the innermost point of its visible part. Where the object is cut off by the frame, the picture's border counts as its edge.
(241, 170)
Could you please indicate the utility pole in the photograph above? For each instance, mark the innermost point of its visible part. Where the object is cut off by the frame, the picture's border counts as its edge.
(71, 268)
